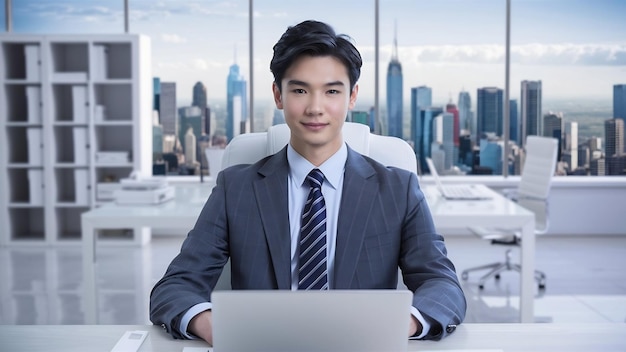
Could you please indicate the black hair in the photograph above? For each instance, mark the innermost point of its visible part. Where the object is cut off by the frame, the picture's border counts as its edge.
(314, 38)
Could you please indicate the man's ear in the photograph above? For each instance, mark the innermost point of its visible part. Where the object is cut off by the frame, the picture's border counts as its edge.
(353, 95)
(278, 99)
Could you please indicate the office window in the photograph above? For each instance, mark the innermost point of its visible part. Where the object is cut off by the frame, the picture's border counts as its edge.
(434, 57)
(563, 80)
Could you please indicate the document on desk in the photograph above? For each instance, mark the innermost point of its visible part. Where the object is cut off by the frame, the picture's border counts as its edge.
(130, 341)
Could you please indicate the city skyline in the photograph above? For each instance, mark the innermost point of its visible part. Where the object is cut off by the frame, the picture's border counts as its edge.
(576, 48)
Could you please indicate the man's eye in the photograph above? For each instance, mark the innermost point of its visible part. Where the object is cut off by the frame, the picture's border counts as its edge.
(299, 91)
(333, 91)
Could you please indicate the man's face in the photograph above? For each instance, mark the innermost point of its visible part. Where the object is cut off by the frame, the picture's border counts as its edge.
(315, 98)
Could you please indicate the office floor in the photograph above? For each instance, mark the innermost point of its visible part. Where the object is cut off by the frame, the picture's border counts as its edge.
(586, 281)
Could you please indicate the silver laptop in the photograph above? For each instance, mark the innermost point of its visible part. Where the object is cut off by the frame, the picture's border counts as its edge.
(456, 192)
(333, 320)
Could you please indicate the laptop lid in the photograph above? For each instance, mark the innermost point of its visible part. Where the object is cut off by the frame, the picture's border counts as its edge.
(469, 191)
(333, 320)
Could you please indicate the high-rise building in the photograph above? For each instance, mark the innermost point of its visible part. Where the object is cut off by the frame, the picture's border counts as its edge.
(619, 104)
(394, 94)
(530, 114)
(553, 127)
(190, 117)
(456, 130)
(199, 99)
(424, 134)
(236, 103)
(190, 147)
(583, 155)
(156, 93)
(167, 107)
(491, 150)
(466, 119)
(513, 122)
(421, 98)
(614, 134)
(489, 111)
(443, 134)
(571, 143)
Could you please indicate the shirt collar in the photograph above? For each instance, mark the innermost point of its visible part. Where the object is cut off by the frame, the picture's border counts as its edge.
(332, 168)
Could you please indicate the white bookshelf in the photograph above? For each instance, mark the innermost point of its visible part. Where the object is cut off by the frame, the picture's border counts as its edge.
(75, 112)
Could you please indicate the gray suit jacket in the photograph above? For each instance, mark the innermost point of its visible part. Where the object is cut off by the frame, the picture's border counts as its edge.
(384, 223)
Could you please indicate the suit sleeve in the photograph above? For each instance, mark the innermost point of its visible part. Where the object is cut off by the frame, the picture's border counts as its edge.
(193, 273)
(427, 271)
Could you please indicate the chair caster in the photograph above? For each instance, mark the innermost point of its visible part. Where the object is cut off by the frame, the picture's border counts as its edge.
(481, 286)
(497, 276)
(542, 286)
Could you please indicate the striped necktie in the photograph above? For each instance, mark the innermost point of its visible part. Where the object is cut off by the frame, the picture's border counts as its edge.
(312, 271)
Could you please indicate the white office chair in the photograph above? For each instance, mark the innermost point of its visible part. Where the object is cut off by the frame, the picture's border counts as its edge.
(532, 193)
(250, 147)
(390, 151)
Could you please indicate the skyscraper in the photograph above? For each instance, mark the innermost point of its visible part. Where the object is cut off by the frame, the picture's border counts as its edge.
(424, 134)
(530, 121)
(513, 122)
(571, 143)
(236, 103)
(167, 107)
(489, 111)
(200, 100)
(465, 112)
(553, 127)
(619, 104)
(421, 98)
(190, 118)
(614, 134)
(394, 94)
(456, 129)
(443, 134)
(156, 93)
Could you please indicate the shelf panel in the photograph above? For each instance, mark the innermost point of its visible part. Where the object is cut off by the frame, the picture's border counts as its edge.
(24, 103)
(27, 186)
(112, 61)
(114, 102)
(68, 222)
(22, 61)
(26, 224)
(25, 145)
(69, 59)
(71, 145)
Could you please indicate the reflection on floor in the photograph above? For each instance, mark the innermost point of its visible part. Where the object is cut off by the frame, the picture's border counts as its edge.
(42, 285)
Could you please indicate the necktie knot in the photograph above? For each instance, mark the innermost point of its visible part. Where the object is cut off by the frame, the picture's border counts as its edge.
(315, 178)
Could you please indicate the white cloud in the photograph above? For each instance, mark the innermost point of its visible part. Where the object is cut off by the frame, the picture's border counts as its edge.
(173, 38)
(531, 54)
(200, 64)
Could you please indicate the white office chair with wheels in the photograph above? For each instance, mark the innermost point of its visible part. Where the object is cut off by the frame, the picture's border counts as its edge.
(250, 147)
(532, 193)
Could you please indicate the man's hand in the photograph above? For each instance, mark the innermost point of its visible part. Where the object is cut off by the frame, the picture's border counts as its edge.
(415, 327)
(202, 326)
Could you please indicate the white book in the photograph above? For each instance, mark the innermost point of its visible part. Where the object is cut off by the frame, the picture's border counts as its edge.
(99, 113)
(79, 104)
(35, 137)
(80, 182)
(100, 62)
(33, 104)
(80, 145)
(35, 186)
(31, 53)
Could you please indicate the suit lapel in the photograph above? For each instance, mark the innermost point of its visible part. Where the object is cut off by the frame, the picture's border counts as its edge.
(360, 187)
(271, 197)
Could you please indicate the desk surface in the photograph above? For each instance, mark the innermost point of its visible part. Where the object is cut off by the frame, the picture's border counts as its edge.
(506, 337)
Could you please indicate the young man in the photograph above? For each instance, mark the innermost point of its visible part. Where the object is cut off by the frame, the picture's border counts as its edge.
(316, 215)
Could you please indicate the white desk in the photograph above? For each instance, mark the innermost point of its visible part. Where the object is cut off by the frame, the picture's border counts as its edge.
(506, 337)
(182, 212)
(496, 212)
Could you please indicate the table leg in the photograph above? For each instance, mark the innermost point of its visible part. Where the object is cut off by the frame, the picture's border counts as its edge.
(90, 298)
(527, 278)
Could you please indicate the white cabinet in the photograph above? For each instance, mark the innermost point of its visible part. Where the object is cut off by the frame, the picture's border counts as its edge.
(75, 112)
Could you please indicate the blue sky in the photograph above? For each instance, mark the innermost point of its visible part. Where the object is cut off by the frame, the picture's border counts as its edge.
(576, 47)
